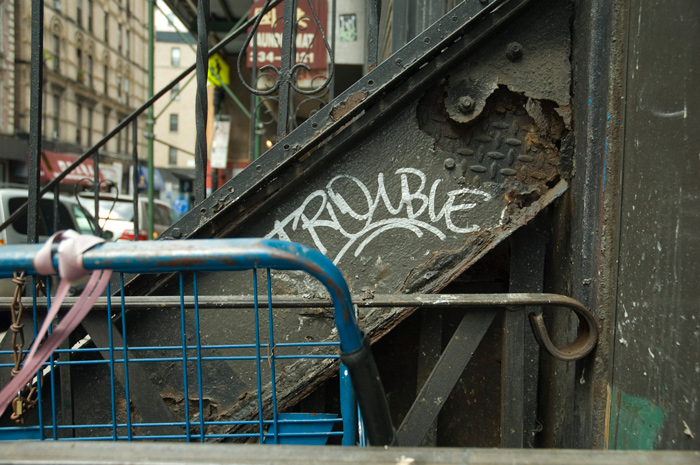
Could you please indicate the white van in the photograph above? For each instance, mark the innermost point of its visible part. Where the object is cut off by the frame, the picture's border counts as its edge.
(71, 215)
(117, 215)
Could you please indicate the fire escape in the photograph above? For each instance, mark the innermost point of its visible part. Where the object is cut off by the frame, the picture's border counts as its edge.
(453, 184)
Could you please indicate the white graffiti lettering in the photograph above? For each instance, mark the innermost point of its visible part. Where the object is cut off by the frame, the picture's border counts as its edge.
(368, 217)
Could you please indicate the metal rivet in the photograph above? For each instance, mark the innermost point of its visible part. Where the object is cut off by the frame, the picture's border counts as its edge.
(465, 104)
(177, 234)
(398, 61)
(450, 163)
(286, 146)
(203, 211)
(258, 168)
(514, 51)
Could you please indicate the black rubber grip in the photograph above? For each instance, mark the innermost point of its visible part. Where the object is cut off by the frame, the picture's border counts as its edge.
(370, 396)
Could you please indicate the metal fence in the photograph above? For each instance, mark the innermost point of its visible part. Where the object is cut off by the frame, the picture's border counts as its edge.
(98, 387)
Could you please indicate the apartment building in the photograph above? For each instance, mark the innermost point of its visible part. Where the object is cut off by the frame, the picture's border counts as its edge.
(7, 70)
(95, 74)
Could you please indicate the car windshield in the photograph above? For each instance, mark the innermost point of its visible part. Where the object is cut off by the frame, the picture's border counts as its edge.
(120, 211)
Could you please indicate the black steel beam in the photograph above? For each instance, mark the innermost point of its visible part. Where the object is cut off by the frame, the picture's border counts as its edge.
(35, 119)
(202, 66)
(444, 376)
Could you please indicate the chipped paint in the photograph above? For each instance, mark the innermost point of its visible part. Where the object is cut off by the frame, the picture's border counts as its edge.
(636, 422)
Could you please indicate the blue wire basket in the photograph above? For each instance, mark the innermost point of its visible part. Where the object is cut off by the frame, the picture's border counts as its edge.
(102, 386)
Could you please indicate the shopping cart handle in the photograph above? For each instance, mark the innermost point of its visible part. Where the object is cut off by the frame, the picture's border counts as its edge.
(370, 395)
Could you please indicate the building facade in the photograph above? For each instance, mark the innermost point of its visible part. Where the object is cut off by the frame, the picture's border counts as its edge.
(7, 70)
(95, 74)
(174, 128)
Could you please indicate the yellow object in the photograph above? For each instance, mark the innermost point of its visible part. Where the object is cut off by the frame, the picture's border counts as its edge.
(217, 63)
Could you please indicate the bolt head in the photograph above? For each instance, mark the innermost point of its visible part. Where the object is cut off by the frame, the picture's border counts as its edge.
(514, 51)
(465, 104)
(177, 234)
(450, 163)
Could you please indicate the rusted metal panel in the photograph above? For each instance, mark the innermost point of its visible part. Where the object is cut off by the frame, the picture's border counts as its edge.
(410, 193)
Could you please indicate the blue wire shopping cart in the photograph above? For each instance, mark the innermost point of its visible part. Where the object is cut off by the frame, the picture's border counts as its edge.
(123, 367)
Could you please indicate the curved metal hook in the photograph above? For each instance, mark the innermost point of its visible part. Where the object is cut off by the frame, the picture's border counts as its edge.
(314, 98)
(261, 105)
(249, 38)
(585, 341)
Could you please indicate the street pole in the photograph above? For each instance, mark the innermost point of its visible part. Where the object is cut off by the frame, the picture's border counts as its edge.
(150, 121)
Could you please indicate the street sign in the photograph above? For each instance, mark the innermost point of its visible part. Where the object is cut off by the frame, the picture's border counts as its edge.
(219, 143)
(310, 48)
(217, 63)
(181, 205)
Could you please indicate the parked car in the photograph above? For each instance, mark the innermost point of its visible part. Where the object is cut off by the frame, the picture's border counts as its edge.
(70, 216)
(116, 216)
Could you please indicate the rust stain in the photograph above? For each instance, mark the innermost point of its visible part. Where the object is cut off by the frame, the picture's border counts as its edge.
(346, 107)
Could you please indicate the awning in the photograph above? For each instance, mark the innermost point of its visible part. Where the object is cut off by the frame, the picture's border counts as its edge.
(54, 163)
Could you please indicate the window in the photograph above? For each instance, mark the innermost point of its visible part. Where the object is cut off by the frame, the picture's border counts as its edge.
(175, 57)
(56, 52)
(2, 113)
(46, 216)
(57, 5)
(106, 80)
(79, 124)
(128, 44)
(119, 87)
(126, 135)
(56, 114)
(173, 122)
(89, 72)
(89, 127)
(106, 28)
(79, 13)
(89, 15)
(161, 215)
(172, 156)
(126, 91)
(79, 66)
(119, 142)
(175, 92)
(120, 38)
(2, 25)
(83, 220)
(105, 123)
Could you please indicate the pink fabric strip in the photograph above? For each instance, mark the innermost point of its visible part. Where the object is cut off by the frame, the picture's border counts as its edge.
(71, 249)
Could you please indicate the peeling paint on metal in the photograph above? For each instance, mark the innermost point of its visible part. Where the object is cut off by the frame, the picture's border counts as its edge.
(636, 421)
